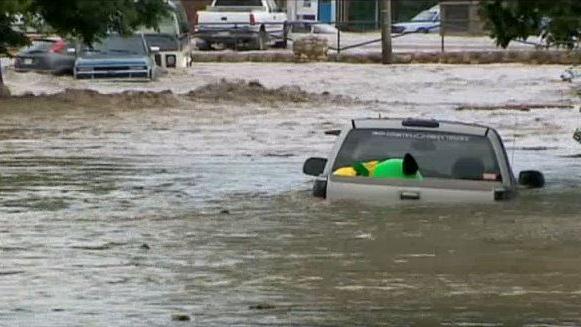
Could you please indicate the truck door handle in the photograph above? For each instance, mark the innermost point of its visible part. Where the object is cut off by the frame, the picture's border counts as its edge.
(407, 195)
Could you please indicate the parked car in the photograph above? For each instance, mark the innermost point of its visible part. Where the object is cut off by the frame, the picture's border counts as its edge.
(248, 23)
(387, 161)
(173, 39)
(427, 21)
(48, 55)
(117, 57)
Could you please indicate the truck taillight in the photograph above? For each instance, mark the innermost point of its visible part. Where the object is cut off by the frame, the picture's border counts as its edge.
(252, 19)
(196, 21)
(58, 47)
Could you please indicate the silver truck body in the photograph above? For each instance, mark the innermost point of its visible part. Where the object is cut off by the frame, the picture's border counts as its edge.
(431, 189)
(254, 23)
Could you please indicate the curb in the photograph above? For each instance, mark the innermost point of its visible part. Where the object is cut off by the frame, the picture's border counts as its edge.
(536, 57)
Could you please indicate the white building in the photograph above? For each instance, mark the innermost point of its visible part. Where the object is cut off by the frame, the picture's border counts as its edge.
(311, 10)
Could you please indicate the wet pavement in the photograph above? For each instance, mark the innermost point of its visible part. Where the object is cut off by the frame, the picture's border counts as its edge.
(130, 213)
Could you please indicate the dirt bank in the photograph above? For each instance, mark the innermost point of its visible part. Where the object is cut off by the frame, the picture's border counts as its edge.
(4, 91)
(239, 91)
(532, 57)
(91, 99)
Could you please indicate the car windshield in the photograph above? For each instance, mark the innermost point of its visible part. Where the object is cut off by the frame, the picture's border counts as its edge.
(168, 25)
(119, 45)
(165, 42)
(438, 154)
(40, 46)
(425, 16)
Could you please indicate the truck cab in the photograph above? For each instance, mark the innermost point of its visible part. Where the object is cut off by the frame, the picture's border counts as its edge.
(172, 38)
(454, 162)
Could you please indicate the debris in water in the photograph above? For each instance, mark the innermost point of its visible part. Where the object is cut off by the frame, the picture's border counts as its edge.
(145, 246)
(180, 317)
(224, 212)
(262, 306)
(577, 135)
(13, 272)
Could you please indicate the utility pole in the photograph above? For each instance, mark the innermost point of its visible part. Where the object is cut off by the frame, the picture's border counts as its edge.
(386, 47)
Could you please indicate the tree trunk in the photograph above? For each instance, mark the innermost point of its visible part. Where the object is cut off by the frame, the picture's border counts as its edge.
(4, 92)
(386, 46)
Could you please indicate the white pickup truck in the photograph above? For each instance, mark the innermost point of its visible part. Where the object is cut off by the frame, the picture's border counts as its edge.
(253, 24)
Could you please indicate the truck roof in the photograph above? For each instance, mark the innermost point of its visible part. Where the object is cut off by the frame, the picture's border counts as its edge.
(422, 125)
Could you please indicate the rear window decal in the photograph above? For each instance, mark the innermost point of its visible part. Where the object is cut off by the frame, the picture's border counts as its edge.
(423, 136)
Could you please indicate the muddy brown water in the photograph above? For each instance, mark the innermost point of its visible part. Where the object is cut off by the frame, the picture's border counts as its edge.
(128, 216)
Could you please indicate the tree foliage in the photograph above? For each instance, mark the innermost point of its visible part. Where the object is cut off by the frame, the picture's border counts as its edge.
(510, 20)
(87, 20)
(91, 19)
(9, 37)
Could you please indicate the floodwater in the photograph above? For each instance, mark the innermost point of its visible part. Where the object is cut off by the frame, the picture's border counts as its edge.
(128, 212)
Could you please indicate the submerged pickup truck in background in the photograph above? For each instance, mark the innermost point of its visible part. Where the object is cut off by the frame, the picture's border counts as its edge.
(253, 24)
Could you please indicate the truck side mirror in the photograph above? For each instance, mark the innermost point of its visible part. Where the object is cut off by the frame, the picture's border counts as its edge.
(314, 166)
(531, 179)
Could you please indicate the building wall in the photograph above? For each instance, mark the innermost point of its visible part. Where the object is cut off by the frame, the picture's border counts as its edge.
(302, 9)
(461, 17)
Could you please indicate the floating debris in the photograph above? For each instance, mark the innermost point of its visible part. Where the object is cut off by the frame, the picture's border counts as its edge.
(262, 306)
(180, 317)
(516, 107)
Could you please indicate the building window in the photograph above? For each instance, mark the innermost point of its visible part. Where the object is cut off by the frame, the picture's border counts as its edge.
(307, 3)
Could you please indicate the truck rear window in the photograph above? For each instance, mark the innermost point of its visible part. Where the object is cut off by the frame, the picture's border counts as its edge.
(438, 154)
(238, 3)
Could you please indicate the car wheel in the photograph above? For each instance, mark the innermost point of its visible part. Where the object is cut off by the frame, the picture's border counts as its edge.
(320, 189)
(283, 44)
(423, 30)
(204, 45)
(61, 71)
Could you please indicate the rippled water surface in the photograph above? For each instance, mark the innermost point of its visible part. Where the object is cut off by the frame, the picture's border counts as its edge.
(127, 216)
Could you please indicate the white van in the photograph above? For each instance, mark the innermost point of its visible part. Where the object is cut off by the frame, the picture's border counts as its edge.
(172, 38)
(427, 21)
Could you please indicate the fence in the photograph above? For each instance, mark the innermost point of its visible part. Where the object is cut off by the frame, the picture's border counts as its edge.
(239, 31)
(452, 35)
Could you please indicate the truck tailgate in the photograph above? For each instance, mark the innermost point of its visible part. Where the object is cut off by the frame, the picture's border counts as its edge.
(222, 20)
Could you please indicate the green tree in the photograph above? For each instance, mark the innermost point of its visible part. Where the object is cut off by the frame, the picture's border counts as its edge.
(9, 37)
(87, 20)
(510, 20)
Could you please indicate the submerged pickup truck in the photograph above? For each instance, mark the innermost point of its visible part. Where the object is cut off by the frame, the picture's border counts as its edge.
(389, 161)
(252, 24)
